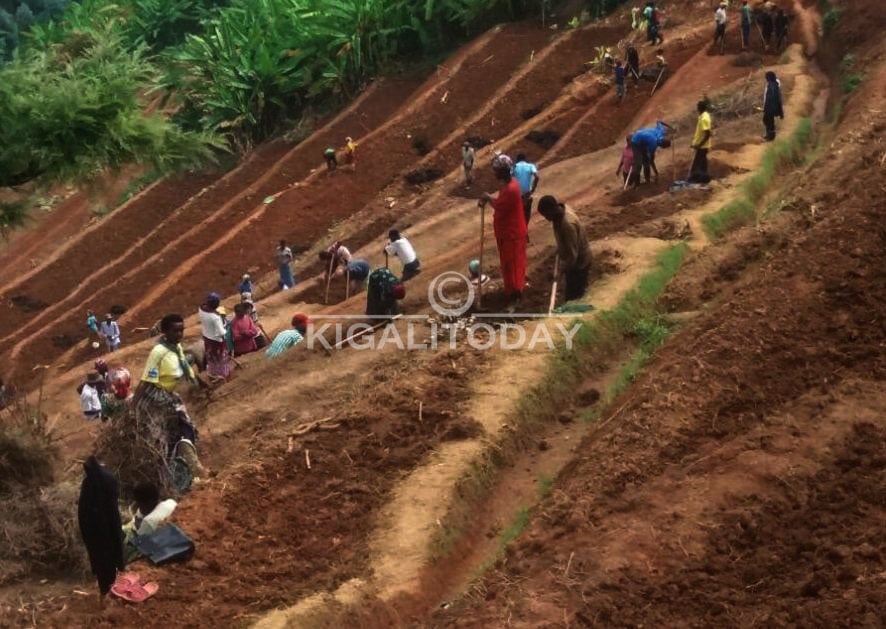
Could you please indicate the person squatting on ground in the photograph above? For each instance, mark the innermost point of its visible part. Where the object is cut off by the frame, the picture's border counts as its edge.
(474, 273)
(619, 73)
(625, 167)
(701, 143)
(283, 258)
(246, 285)
(400, 247)
(467, 162)
(526, 175)
(772, 108)
(509, 226)
(159, 411)
(109, 330)
(720, 20)
(644, 143)
(288, 339)
(218, 359)
(99, 522)
(572, 245)
(150, 514)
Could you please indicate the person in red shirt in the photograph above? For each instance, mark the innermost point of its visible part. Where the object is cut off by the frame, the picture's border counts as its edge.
(509, 226)
(243, 330)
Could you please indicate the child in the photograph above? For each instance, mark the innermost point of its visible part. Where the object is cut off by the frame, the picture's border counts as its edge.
(626, 164)
(92, 322)
(247, 285)
(619, 80)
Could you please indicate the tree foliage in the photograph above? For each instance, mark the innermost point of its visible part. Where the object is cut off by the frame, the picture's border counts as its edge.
(65, 118)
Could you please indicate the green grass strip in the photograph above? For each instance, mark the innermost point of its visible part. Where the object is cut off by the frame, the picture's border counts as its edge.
(741, 211)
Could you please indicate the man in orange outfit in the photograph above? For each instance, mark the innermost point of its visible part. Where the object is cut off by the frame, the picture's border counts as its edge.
(509, 225)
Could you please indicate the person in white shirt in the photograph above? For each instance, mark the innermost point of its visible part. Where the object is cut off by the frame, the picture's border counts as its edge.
(720, 21)
(90, 396)
(218, 359)
(110, 331)
(401, 248)
(151, 513)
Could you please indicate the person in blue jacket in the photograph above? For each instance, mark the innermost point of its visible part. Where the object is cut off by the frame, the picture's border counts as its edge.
(645, 142)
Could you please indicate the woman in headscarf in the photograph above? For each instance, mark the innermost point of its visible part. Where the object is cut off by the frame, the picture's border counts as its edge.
(100, 526)
(159, 410)
(509, 225)
(218, 358)
(115, 403)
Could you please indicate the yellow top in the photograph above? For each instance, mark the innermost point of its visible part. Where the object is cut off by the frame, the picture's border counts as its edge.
(704, 124)
(166, 367)
(351, 147)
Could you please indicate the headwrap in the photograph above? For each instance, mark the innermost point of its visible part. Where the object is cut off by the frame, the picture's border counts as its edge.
(502, 161)
(120, 382)
(213, 298)
(300, 321)
(474, 266)
(100, 365)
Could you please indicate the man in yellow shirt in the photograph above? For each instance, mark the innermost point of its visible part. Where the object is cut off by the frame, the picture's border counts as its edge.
(701, 143)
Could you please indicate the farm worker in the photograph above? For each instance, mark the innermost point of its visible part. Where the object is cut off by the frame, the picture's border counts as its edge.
(246, 285)
(474, 272)
(383, 289)
(110, 331)
(509, 225)
(333, 256)
(626, 164)
(243, 330)
(572, 245)
(214, 331)
(101, 366)
(635, 18)
(116, 401)
(150, 514)
(284, 258)
(331, 160)
(99, 522)
(644, 144)
(90, 396)
(92, 322)
(357, 272)
(764, 19)
(633, 61)
(745, 25)
(159, 411)
(619, 80)
(781, 28)
(261, 340)
(467, 162)
(401, 248)
(288, 339)
(772, 108)
(351, 152)
(701, 142)
(720, 25)
(653, 24)
(526, 175)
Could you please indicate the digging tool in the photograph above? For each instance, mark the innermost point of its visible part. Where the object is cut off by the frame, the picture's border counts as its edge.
(762, 39)
(674, 159)
(386, 259)
(628, 178)
(634, 72)
(347, 284)
(657, 81)
(554, 285)
(366, 330)
(482, 244)
(328, 278)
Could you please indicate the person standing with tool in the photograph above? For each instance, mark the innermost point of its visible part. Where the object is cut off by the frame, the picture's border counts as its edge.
(720, 20)
(400, 247)
(509, 225)
(467, 162)
(746, 19)
(573, 249)
(701, 143)
(633, 61)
